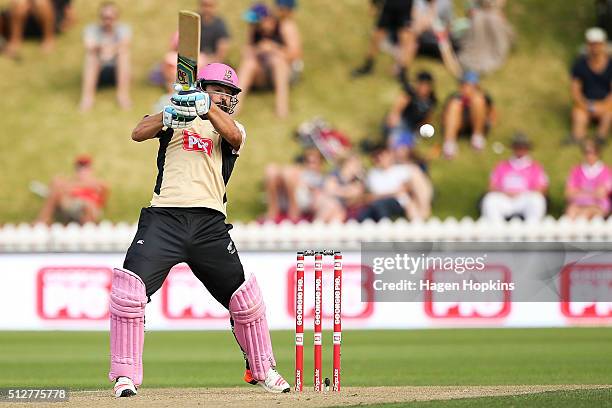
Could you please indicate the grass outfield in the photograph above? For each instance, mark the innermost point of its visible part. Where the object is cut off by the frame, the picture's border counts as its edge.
(79, 360)
(561, 399)
(42, 132)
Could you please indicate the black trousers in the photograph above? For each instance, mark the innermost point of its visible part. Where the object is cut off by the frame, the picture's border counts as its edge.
(196, 236)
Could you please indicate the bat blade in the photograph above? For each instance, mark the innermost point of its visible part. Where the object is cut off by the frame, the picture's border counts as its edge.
(188, 49)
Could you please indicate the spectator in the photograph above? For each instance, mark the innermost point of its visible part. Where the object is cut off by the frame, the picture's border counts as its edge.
(394, 20)
(395, 190)
(267, 57)
(591, 86)
(107, 57)
(342, 191)
(214, 43)
(589, 185)
(214, 46)
(410, 110)
(469, 111)
(292, 190)
(214, 35)
(284, 11)
(432, 33)
(487, 42)
(517, 186)
(40, 19)
(404, 154)
(80, 198)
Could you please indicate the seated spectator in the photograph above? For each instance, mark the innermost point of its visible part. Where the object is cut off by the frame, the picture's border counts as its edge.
(591, 86)
(517, 186)
(589, 185)
(79, 198)
(395, 20)
(410, 110)
(266, 60)
(22, 17)
(395, 190)
(292, 191)
(284, 11)
(214, 44)
(214, 35)
(107, 57)
(342, 192)
(432, 33)
(486, 44)
(469, 111)
(403, 154)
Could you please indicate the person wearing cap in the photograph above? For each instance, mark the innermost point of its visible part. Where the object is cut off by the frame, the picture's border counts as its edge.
(591, 88)
(268, 55)
(411, 109)
(469, 111)
(79, 198)
(589, 185)
(199, 144)
(517, 186)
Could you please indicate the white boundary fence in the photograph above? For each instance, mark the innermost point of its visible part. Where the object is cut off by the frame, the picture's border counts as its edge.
(109, 237)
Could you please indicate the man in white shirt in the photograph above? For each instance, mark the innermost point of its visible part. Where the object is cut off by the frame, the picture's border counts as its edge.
(395, 190)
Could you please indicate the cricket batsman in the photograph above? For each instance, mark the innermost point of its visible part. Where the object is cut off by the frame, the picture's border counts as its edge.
(199, 143)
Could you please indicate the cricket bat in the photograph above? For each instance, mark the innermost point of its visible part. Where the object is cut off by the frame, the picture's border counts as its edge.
(188, 49)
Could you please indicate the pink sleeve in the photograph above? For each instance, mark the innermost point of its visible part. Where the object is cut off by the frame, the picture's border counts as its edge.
(540, 177)
(496, 176)
(607, 180)
(572, 179)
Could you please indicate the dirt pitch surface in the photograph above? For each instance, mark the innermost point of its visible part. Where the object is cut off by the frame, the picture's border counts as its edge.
(257, 398)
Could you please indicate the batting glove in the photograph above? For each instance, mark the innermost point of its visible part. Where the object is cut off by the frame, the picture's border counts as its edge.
(191, 102)
(174, 120)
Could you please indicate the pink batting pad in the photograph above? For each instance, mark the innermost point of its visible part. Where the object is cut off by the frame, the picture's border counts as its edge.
(251, 327)
(127, 308)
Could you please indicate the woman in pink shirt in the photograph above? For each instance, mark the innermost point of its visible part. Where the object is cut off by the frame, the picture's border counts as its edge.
(588, 186)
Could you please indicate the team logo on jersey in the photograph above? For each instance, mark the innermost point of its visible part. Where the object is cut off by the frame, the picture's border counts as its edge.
(194, 142)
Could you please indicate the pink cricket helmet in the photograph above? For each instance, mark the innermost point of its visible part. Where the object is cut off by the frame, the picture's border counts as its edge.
(220, 74)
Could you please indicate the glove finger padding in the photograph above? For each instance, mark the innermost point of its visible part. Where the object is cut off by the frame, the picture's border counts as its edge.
(176, 120)
(191, 103)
